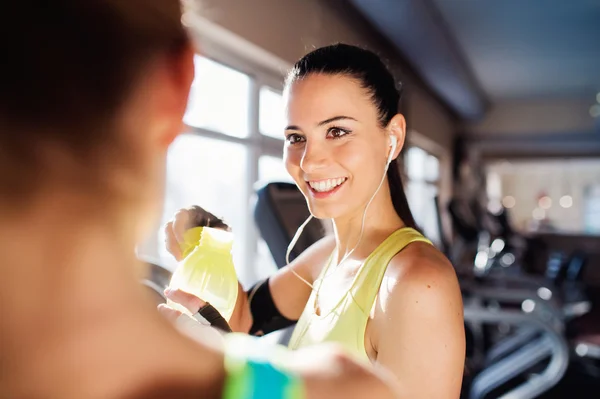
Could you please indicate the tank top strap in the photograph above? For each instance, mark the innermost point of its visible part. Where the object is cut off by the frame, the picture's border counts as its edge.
(371, 274)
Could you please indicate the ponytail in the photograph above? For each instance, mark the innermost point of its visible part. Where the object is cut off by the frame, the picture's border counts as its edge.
(399, 196)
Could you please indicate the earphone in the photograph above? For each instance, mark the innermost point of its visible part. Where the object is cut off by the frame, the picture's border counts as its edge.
(393, 144)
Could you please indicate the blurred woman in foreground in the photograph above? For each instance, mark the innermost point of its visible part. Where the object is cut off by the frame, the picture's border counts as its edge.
(93, 92)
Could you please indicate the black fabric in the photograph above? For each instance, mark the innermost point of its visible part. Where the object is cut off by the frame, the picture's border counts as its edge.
(266, 317)
(213, 316)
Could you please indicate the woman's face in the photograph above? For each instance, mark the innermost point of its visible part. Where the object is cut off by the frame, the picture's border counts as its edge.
(335, 148)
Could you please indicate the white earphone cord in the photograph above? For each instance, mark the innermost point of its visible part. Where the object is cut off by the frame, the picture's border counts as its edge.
(292, 245)
(362, 227)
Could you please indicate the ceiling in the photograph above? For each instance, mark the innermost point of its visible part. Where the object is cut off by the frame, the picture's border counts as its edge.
(528, 49)
(476, 52)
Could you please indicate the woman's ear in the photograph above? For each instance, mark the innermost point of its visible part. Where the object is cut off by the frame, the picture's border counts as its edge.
(174, 92)
(184, 74)
(397, 128)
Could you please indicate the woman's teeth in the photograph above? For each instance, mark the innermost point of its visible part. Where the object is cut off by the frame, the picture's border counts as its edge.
(323, 186)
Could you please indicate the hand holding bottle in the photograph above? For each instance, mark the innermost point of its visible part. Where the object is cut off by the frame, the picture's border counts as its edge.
(196, 328)
(184, 220)
(185, 223)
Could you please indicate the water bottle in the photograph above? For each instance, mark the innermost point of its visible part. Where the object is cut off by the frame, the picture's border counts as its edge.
(207, 270)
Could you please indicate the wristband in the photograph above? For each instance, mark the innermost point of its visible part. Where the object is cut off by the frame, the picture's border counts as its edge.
(252, 379)
(212, 315)
(255, 378)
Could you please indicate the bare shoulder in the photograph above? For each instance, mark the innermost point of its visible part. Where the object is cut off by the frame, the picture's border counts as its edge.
(419, 289)
(418, 262)
(421, 273)
(313, 259)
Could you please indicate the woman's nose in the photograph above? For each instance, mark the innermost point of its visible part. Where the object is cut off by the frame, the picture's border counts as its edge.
(315, 157)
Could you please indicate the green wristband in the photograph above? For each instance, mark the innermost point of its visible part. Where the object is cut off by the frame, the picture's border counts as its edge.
(252, 379)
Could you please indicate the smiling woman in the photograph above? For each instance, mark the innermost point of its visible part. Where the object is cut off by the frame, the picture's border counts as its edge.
(339, 85)
(342, 120)
(377, 287)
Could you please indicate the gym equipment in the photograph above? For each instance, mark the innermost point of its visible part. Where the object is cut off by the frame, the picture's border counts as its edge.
(498, 281)
(155, 291)
(547, 346)
(156, 281)
(279, 210)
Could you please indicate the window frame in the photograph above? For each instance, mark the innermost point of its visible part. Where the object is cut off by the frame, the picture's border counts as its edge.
(264, 70)
(443, 183)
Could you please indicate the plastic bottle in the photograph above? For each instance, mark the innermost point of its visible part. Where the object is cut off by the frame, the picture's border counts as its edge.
(207, 270)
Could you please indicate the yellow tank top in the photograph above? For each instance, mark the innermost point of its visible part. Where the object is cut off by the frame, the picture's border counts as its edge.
(346, 322)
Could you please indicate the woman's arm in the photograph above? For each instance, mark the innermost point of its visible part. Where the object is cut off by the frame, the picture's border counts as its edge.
(329, 373)
(419, 327)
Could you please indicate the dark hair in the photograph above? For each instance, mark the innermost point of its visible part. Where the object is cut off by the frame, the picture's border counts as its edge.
(368, 69)
(66, 75)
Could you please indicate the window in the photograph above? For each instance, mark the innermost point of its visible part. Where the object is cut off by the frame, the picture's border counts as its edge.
(198, 173)
(232, 121)
(422, 188)
(421, 165)
(219, 99)
(271, 119)
(592, 209)
(562, 195)
(270, 169)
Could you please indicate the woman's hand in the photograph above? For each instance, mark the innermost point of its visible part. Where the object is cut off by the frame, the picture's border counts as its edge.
(192, 328)
(198, 329)
(191, 302)
(329, 373)
(201, 310)
(184, 220)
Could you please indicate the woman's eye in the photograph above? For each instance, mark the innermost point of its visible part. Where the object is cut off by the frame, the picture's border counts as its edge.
(336, 132)
(294, 138)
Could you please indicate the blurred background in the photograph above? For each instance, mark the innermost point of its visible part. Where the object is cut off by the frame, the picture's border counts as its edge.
(501, 166)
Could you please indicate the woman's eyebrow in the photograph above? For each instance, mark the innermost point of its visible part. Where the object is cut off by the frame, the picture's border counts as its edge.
(335, 118)
(325, 122)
